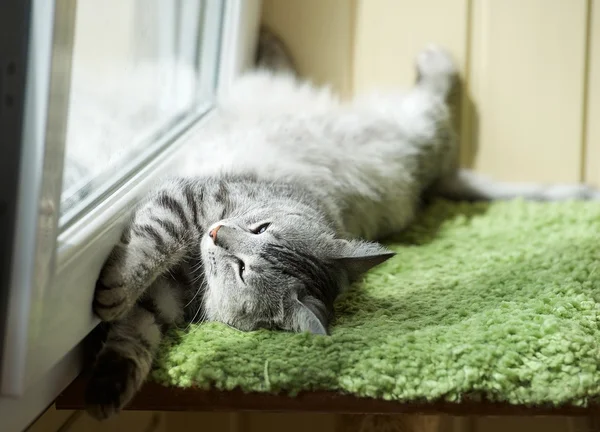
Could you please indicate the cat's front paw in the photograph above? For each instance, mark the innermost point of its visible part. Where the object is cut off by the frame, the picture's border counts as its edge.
(111, 385)
(111, 297)
(110, 303)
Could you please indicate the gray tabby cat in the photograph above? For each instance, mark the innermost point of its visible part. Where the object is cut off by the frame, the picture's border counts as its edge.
(287, 193)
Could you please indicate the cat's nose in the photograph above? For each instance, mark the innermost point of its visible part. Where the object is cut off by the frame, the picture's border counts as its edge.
(213, 233)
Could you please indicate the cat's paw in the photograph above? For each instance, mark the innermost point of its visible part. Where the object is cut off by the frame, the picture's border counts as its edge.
(435, 61)
(111, 297)
(111, 385)
(436, 70)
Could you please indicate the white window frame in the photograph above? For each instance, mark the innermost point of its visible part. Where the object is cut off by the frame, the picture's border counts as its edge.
(34, 374)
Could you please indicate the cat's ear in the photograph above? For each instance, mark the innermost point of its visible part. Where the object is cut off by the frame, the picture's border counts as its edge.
(304, 318)
(357, 257)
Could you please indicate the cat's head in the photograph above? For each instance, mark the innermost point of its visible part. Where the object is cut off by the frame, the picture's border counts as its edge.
(280, 269)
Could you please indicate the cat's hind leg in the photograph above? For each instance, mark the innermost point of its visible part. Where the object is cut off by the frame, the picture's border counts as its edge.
(423, 111)
(436, 71)
(425, 116)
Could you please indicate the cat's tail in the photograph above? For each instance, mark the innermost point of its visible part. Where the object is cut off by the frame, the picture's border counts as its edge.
(465, 185)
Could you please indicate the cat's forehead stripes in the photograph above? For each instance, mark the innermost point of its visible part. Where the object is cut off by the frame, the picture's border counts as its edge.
(221, 193)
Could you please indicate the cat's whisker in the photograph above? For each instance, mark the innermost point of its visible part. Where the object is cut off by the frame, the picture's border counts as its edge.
(200, 311)
(193, 320)
(194, 297)
(194, 268)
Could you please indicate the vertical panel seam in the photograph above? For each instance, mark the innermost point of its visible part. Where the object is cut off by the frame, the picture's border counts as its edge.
(583, 174)
(351, 86)
(466, 132)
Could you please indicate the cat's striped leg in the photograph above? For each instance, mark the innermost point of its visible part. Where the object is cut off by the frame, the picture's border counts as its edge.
(159, 236)
(125, 360)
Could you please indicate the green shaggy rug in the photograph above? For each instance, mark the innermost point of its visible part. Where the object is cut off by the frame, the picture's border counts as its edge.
(500, 301)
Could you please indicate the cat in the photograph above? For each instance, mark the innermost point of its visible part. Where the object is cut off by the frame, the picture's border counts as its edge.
(279, 211)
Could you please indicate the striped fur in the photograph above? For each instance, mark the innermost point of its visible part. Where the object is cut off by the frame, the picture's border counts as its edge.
(126, 357)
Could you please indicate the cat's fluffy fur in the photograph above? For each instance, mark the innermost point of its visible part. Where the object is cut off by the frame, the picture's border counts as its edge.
(268, 221)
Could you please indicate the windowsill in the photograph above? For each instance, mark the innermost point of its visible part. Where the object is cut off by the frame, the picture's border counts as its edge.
(18, 413)
(155, 397)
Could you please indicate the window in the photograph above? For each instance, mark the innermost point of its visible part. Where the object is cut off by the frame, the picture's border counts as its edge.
(152, 72)
(98, 100)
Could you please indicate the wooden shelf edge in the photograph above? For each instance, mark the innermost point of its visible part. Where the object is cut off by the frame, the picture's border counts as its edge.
(155, 397)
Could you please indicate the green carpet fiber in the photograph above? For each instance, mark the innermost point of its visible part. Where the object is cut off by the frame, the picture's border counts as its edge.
(499, 300)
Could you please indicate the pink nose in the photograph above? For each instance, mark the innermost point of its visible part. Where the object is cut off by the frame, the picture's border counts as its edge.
(213, 233)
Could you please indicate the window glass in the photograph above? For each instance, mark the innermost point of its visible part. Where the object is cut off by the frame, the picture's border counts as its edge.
(139, 70)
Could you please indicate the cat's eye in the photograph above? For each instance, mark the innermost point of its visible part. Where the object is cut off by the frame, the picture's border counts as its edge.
(261, 228)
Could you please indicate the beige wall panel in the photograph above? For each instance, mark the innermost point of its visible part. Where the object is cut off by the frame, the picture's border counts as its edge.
(319, 35)
(526, 78)
(592, 166)
(389, 34)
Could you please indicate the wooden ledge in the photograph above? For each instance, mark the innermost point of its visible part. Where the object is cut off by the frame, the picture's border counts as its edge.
(155, 397)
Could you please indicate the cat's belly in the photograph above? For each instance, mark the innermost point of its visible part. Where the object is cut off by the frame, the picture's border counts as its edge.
(370, 178)
(375, 219)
